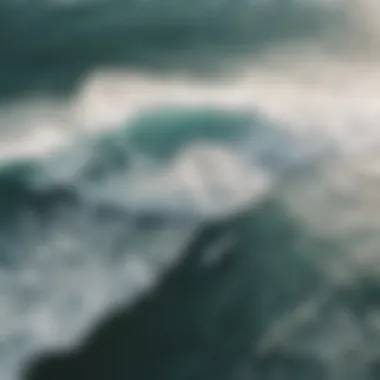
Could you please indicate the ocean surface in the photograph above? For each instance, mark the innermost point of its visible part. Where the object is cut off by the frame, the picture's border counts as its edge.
(127, 125)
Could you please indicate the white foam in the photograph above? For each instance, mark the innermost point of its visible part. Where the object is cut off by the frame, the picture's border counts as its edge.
(309, 90)
(206, 179)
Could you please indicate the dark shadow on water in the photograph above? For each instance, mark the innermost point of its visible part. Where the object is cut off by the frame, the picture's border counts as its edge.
(204, 318)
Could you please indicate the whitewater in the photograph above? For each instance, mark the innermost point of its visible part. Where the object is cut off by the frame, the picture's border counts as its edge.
(102, 130)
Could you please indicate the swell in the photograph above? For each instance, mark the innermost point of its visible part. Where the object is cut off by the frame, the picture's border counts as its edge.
(155, 36)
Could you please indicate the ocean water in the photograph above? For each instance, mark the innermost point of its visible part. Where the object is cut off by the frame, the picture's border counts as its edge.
(126, 126)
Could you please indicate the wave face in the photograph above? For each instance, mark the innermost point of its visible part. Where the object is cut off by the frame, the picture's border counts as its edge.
(131, 129)
(97, 222)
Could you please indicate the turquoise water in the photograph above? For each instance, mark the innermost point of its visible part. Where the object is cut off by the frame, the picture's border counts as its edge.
(219, 155)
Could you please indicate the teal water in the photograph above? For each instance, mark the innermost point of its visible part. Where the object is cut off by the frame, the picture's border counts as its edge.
(54, 44)
(181, 218)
